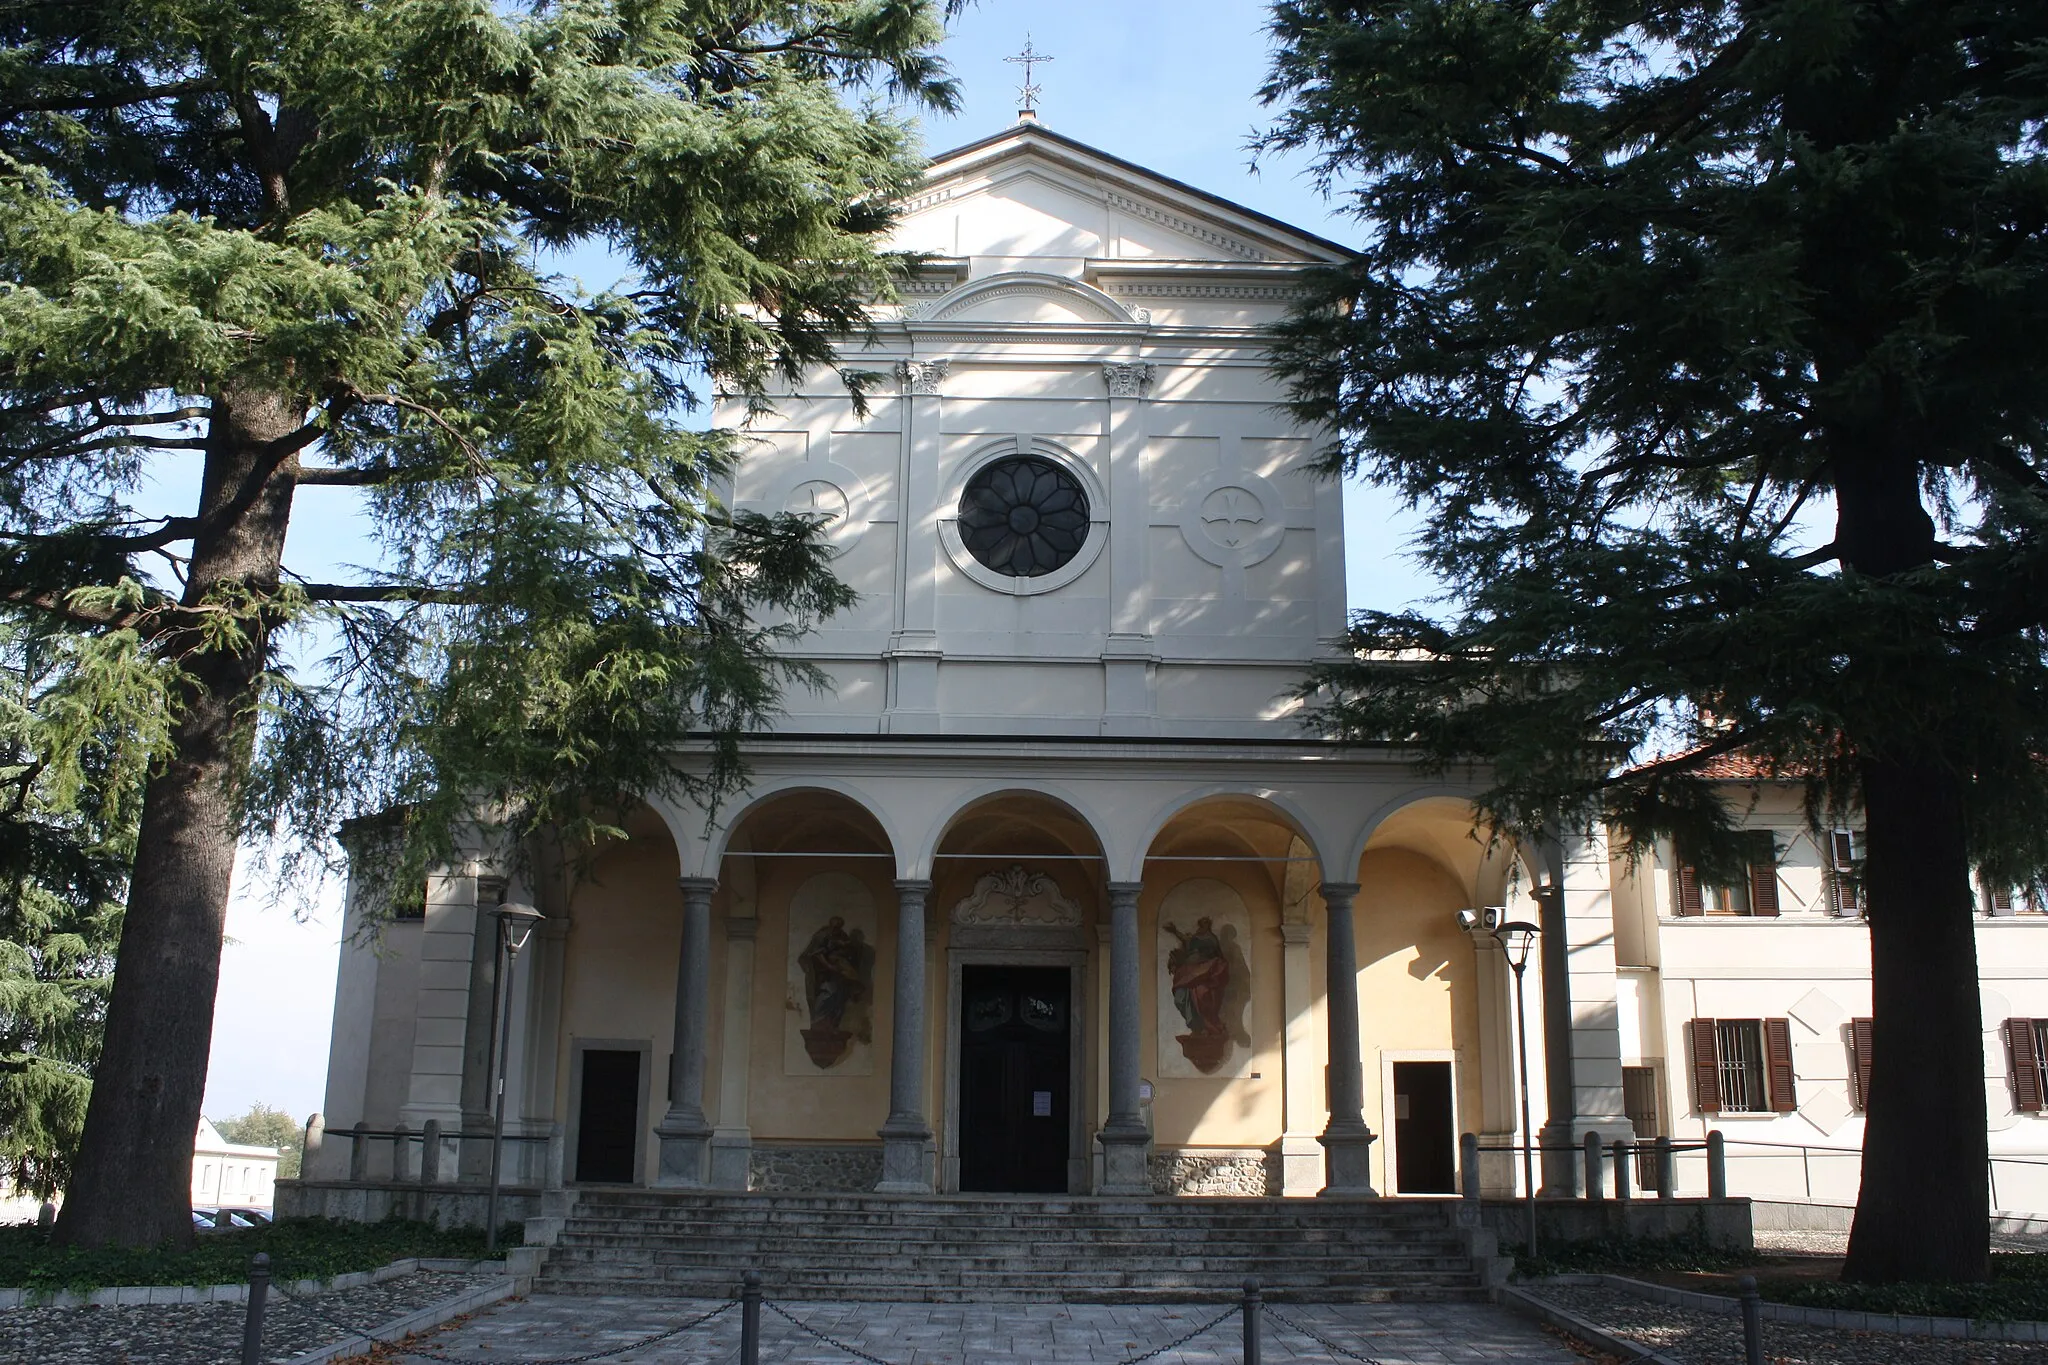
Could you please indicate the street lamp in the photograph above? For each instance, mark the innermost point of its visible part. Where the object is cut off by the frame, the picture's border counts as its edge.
(1516, 938)
(515, 926)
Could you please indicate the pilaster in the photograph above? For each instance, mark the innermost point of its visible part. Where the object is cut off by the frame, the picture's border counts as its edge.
(732, 1141)
(1129, 660)
(912, 658)
(441, 1009)
(1301, 1062)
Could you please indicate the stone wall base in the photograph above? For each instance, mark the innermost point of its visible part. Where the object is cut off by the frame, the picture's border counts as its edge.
(447, 1206)
(1216, 1170)
(814, 1168)
(1723, 1223)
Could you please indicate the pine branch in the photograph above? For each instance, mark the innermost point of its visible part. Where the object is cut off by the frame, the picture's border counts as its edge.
(112, 99)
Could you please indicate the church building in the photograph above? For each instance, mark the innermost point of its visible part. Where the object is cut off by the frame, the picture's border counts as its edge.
(1051, 890)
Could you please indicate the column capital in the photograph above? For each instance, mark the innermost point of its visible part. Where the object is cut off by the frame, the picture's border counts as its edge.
(923, 378)
(1338, 891)
(1295, 935)
(1127, 379)
(697, 886)
(742, 928)
(1130, 889)
(913, 886)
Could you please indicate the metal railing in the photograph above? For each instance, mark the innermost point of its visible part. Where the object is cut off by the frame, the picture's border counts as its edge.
(422, 1155)
(1627, 1156)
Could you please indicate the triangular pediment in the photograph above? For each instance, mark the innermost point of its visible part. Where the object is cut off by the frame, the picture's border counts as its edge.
(1028, 193)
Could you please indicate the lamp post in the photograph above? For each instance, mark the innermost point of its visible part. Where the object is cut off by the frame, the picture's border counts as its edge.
(1516, 938)
(515, 926)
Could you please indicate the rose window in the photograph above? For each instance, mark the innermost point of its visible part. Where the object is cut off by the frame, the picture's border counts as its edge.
(1023, 516)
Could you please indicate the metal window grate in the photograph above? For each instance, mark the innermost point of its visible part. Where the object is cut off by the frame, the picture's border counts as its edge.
(2041, 1047)
(1742, 1067)
(1639, 1102)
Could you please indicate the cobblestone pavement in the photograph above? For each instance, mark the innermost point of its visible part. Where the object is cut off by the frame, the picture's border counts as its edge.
(1708, 1339)
(211, 1333)
(552, 1327)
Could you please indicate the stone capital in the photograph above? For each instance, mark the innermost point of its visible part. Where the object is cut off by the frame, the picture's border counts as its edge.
(1127, 379)
(923, 378)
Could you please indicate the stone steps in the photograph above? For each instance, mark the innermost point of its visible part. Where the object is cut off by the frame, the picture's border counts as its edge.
(1009, 1249)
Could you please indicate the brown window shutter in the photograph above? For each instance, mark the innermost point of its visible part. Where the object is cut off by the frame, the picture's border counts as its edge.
(1859, 1058)
(1763, 879)
(1778, 1064)
(1690, 901)
(2025, 1067)
(2001, 900)
(1842, 861)
(1706, 1065)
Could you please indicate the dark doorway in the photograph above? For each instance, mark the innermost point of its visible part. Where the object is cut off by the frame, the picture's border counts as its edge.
(1425, 1149)
(608, 1117)
(1014, 1030)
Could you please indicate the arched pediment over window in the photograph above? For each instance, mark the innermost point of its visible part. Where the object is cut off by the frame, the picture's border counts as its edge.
(1029, 297)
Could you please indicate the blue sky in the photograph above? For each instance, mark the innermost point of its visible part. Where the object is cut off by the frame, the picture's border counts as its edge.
(1168, 84)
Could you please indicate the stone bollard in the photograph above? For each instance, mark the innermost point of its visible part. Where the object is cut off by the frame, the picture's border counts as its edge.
(1717, 1165)
(46, 1214)
(1624, 1155)
(358, 1156)
(1752, 1321)
(1595, 1179)
(1468, 1164)
(1252, 1306)
(401, 1151)
(252, 1320)
(309, 1150)
(430, 1152)
(1667, 1169)
(750, 1318)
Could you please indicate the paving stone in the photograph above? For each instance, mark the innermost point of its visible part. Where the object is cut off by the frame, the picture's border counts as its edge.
(549, 1327)
(211, 1333)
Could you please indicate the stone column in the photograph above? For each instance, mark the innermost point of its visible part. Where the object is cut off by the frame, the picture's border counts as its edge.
(906, 1137)
(1126, 1146)
(1347, 1142)
(684, 1133)
(732, 1142)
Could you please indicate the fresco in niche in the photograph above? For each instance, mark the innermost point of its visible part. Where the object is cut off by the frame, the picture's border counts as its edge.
(829, 1006)
(1204, 981)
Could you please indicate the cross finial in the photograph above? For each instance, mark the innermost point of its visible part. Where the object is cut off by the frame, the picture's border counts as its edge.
(1027, 93)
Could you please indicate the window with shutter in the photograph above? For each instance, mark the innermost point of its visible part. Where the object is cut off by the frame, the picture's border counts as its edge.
(1704, 1041)
(1742, 1066)
(2000, 898)
(1778, 1060)
(2023, 1061)
(1843, 883)
(1763, 876)
(1859, 1062)
(1690, 902)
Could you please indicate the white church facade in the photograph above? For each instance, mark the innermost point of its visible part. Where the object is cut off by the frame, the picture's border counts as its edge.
(1050, 890)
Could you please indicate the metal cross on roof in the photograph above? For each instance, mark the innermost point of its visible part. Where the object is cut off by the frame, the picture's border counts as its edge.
(1028, 92)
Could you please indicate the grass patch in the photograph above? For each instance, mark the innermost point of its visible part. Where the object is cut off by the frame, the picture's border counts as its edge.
(2016, 1291)
(1621, 1257)
(300, 1248)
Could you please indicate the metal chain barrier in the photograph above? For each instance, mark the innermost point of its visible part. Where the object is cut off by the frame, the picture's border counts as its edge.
(422, 1353)
(779, 1311)
(1317, 1337)
(1211, 1325)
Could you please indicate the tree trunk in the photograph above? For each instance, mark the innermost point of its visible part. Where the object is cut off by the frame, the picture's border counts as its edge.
(133, 1181)
(1923, 1212)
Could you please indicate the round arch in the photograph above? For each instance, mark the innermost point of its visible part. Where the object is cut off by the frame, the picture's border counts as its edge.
(1286, 806)
(705, 848)
(1394, 806)
(984, 794)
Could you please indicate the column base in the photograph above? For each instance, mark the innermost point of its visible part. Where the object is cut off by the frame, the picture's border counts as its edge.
(906, 1159)
(1301, 1164)
(1126, 1162)
(685, 1155)
(732, 1158)
(1347, 1158)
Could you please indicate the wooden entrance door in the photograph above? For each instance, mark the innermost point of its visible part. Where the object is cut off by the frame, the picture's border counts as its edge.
(1014, 1072)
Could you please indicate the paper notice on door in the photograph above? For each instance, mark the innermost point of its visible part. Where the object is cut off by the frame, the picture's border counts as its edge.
(1041, 1104)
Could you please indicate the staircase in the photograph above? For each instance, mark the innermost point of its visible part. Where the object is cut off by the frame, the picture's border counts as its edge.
(1008, 1249)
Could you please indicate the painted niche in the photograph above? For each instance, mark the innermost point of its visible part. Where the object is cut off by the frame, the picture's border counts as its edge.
(829, 1006)
(1204, 981)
